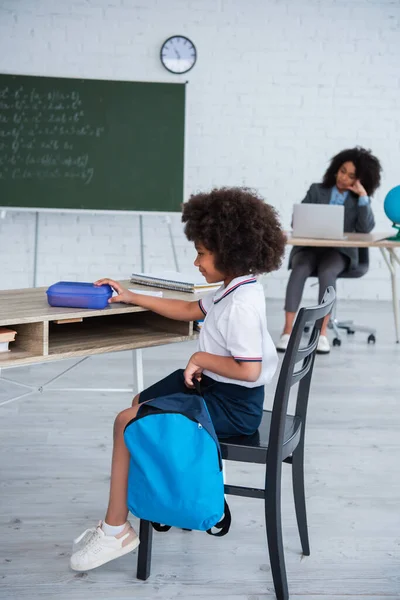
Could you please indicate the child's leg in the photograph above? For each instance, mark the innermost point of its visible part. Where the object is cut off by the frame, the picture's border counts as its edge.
(117, 511)
(113, 537)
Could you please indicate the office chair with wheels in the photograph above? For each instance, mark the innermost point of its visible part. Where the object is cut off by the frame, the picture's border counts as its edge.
(279, 439)
(349, 326)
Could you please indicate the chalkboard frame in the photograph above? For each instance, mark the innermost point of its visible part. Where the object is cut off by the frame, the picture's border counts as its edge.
(159, 210)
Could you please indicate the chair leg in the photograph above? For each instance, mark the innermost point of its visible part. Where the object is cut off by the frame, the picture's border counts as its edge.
(273, 522)
(300, 497)
(144, 553)
(333, 324)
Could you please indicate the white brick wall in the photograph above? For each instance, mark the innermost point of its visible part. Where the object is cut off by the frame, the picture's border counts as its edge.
(279, 87)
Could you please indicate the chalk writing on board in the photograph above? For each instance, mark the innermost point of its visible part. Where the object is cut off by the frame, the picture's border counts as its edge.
(38, 135)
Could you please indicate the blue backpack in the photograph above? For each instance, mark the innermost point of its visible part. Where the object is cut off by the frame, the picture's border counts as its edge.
(175, 473)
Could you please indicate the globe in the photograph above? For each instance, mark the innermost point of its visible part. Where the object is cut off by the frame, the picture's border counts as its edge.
(391, 206)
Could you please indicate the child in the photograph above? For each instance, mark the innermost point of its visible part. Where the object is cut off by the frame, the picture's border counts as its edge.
(236, 236)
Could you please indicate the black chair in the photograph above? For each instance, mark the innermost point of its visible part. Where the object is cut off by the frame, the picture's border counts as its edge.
(280, 438)
(350, 326)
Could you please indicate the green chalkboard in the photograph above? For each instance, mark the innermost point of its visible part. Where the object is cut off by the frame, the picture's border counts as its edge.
(91, 144)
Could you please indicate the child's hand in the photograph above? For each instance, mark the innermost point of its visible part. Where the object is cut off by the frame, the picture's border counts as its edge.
(192, 371)
(123, 295)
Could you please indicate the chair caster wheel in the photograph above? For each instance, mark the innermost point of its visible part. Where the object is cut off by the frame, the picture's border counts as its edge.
(336, 342)
(350, 332)
(371, 339)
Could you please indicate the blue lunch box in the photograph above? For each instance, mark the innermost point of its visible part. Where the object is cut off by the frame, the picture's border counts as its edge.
(78, 294)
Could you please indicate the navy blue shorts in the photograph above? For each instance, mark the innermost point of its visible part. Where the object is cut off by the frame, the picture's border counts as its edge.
(234, 409)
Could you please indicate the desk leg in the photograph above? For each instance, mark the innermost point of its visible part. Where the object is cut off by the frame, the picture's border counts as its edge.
(137, 376)
(394, 255)
(393, 259)
(41, 388)
(138, 370)
(30, 389)
(391, 265)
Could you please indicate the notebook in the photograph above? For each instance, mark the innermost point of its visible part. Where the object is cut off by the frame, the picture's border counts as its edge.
(146, 293)
(173, 280)
(321, 221)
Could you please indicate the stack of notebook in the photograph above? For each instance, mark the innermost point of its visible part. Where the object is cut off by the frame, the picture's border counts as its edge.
(172, 280)
(6, 336)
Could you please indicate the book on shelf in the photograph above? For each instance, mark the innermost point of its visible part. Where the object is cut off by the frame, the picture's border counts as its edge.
(6, 336)
(173, 280)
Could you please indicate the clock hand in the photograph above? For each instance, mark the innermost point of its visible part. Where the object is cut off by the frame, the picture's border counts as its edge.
(177, 53)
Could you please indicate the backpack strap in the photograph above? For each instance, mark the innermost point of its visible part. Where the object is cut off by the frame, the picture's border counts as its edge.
(161, 528)
(224, 524)
(197, 386)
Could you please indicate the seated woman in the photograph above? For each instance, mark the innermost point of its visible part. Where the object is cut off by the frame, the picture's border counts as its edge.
(351, 178)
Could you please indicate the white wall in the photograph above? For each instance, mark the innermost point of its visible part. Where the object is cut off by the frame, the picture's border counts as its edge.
(279, 87)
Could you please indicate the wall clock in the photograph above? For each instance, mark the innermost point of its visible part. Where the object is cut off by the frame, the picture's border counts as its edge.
(178, 54)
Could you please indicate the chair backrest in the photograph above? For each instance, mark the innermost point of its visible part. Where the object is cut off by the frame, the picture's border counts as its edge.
(361, 268)
(288, 376)
(363, 256)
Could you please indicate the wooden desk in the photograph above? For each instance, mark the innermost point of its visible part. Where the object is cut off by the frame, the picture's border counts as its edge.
(116, 327)
(364, 240)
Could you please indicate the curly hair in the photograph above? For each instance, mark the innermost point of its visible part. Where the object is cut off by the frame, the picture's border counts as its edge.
(368, 168)
(239, 227)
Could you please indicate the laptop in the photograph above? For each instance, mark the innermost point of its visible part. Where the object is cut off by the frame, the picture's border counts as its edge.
(321, 221)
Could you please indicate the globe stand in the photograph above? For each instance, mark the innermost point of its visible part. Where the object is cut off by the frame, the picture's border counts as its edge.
(395, 238)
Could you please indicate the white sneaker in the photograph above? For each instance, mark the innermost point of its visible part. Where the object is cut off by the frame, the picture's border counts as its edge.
(283, 342)
(96, 548)
(324, 346)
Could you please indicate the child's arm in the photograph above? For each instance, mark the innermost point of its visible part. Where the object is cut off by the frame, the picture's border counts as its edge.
(226, 366)
(180, 310)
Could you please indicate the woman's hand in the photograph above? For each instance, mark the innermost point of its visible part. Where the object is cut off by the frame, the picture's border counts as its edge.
(192, 371)
(358, 188)
(123, 295)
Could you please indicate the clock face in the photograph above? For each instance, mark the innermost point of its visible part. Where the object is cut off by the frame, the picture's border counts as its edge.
(178, 54)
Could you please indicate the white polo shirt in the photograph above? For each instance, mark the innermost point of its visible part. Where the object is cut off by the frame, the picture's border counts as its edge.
(235, 324)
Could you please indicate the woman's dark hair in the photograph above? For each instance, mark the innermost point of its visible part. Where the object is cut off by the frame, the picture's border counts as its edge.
(243, 231)
(368, 168)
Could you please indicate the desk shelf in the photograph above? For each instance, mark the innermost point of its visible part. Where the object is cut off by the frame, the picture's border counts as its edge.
(97, 335)
(30, 344)
(16, 356)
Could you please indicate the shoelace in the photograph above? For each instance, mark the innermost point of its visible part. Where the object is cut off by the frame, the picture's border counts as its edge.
(93, 539)
(91, 530)
(89, 533)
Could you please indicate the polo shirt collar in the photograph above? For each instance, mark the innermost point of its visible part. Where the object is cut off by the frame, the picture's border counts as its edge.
(222, 292)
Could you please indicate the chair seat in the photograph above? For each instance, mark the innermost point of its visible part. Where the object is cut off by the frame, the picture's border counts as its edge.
(359, 271)
(253, 448)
